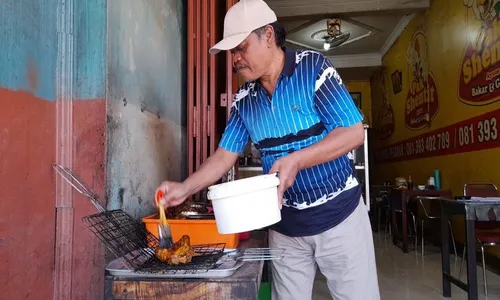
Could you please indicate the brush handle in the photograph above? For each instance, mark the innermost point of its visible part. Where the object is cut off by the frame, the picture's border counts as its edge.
(163, 217)
(159, 196)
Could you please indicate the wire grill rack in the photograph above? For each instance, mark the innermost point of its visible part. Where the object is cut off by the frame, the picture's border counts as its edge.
(123, 236)
(206, 259)
(127, 238)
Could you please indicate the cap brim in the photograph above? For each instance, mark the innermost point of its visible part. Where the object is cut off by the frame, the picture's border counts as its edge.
(229, 43)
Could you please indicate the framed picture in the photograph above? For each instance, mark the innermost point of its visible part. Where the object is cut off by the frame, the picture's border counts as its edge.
(397, 82)
(356, 97)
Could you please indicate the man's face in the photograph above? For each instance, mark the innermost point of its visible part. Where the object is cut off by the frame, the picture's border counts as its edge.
(251, 58)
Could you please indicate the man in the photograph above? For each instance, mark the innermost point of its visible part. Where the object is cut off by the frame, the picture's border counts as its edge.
(300, 116)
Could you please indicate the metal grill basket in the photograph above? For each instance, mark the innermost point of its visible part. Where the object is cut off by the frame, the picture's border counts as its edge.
(127, 238)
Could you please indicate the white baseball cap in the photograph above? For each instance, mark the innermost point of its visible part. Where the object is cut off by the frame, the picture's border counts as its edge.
(240, 20)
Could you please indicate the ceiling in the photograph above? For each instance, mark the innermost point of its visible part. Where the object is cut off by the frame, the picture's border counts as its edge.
(373, 26)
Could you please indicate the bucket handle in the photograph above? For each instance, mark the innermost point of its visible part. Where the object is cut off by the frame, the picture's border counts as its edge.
(277, 174)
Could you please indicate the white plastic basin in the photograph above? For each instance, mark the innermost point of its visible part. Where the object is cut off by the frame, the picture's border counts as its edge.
(245, 204)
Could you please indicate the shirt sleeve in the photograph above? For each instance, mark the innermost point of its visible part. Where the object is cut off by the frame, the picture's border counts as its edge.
(332, 100)
(235, 136)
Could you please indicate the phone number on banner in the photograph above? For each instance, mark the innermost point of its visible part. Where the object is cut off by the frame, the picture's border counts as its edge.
(474, 134)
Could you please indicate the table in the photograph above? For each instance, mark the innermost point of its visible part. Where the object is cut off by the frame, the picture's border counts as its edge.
(472, 210)
(243, 284)
(399, 200)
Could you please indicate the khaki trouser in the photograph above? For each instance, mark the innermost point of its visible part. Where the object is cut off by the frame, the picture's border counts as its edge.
(344, 254)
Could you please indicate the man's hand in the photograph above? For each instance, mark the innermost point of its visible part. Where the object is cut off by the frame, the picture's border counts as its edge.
(174, 193)
(287, 168)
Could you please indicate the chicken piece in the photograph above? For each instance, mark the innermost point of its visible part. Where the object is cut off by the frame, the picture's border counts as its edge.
(182, 253)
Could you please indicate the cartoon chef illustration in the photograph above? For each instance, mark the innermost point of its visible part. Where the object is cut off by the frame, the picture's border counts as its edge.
(418, 65)
(422, 99)
(485, 11)
(385, 120)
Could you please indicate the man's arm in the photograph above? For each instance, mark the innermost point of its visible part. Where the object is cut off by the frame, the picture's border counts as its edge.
(209, 172)
(218, 164)
(339, 114)
(233, 142)
(337, 143)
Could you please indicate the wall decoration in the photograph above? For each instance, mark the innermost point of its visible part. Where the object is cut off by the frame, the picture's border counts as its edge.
(397, 82)
(479, 79)
(474, 134)
(384, 123)
(356, 97)
(422, 103)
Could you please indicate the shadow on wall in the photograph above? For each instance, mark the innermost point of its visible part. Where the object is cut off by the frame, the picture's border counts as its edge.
(146, 79)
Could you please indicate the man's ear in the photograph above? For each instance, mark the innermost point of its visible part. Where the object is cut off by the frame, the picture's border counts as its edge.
(270, 35)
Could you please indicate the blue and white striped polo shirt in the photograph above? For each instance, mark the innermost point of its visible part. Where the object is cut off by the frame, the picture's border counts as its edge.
(308, 102)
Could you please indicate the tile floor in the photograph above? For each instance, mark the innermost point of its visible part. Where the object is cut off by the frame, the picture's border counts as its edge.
(413, 277)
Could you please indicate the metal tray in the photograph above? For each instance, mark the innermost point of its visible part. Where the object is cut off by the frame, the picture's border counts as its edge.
(226, 266)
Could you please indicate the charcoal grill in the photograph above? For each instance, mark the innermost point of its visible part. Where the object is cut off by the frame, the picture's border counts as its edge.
(129, 241)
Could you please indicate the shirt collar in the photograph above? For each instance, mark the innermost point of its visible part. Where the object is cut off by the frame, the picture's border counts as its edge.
(289, 66)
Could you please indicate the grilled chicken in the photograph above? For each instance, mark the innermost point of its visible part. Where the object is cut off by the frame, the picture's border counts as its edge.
(182, 253)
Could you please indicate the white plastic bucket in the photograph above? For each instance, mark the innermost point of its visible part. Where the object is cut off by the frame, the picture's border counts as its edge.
(245, 204)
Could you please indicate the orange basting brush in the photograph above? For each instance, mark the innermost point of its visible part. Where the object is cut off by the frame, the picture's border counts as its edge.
(166, 241)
